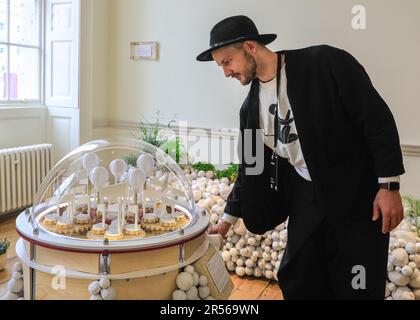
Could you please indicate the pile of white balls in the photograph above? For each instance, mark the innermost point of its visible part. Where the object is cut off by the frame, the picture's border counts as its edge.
(102, 290)
(243, 252)
(15, 284)
(254, 255)
(191, 286)
(403, 264)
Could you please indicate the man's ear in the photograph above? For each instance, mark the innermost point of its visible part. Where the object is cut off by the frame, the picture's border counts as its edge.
(250, 46)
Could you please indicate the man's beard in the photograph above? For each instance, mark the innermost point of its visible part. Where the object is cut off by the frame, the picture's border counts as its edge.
(251, 73)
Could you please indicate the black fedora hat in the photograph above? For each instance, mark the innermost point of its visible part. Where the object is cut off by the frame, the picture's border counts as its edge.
(231, 30)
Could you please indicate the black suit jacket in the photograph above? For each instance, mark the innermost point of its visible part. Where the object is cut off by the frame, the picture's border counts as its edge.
(347, 134)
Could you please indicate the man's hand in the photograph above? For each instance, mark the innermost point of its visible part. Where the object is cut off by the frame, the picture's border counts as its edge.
(389, 204)
(221, 228)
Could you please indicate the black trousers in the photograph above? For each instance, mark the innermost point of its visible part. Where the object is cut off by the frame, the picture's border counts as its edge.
(329, 261)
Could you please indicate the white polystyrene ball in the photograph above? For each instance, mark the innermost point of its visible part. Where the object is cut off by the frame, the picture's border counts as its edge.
(410, 248)
(184, 281)
(391, 286)
(204, 292)
(231, 265)
(225, 181)
(257, 272)
(249, 263)
(105, 283)
(192, 293)
(214, 217)
(275, 236)
(94, 288)
(203, 281)
(233, 252)
(407, 271)
(244, 252)
(229, 245)
(240, 262)
(214, 191)
(269, 266)
(240, 271)
(179, 295)
(252, 241)
(109, 294)
(276, 245)
(226, 256)
(190, 269)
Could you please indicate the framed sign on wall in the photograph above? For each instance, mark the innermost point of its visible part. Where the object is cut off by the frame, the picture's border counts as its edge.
(144, 51)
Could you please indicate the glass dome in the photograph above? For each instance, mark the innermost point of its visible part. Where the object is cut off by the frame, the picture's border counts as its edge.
(114, 189)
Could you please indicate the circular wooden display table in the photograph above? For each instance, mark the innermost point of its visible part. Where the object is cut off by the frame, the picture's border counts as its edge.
(61, 267)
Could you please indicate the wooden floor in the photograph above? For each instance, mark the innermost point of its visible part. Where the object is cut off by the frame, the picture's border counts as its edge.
(245, 288)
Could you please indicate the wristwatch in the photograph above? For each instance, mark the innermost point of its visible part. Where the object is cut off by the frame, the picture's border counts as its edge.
(391, 186)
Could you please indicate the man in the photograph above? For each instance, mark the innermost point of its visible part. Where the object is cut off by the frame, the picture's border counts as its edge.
(332, 161)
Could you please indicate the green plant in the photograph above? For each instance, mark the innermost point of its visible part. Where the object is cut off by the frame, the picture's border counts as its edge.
(176, 150)
(150, 132)
(413, 205)
(131, 159)
(4, 246)
(231, 172)
(199, 166)
(412, 214)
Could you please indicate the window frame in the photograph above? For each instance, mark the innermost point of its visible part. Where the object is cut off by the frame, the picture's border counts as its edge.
(41, 59)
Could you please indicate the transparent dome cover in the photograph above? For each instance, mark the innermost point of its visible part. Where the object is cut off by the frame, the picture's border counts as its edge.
(113, 185)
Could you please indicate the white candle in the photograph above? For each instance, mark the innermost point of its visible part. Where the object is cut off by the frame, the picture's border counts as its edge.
(136, 213)
(119, 216)
(88, 193)
(71, 211)
(123, 211)
(103, 214)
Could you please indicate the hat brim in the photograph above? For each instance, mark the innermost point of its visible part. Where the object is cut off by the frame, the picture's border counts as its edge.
(261, 38)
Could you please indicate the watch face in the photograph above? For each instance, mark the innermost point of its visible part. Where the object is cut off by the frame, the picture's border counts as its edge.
(394, 186)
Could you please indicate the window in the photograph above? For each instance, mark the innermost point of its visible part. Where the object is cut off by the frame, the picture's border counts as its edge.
(20, 51)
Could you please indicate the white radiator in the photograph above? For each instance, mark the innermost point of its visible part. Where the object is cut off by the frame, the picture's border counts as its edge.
(21, 173)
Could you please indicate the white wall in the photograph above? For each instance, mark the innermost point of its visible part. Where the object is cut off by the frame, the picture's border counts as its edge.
(198, 93)
(101, 63)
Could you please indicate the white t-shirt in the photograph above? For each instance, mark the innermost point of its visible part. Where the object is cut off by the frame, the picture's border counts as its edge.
(288, 146)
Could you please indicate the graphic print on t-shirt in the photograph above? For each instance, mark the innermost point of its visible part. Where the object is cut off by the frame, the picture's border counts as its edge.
(285, 127)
